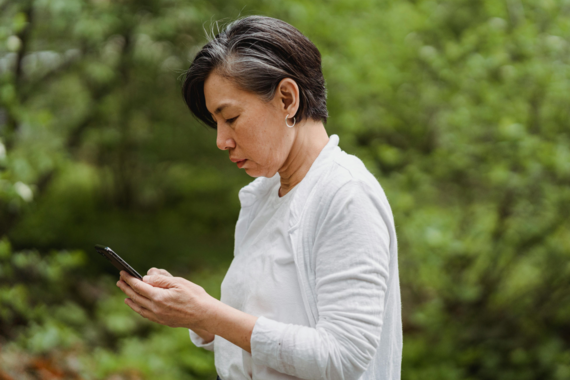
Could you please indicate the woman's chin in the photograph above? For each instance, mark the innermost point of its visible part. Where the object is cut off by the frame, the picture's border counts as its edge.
(255, 172)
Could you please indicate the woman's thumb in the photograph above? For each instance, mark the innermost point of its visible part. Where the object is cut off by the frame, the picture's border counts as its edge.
(159, 281)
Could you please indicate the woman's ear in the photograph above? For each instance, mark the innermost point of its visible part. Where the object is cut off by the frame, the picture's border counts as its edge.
(288, 96)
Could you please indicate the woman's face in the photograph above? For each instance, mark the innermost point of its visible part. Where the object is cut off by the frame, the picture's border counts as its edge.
(249, 128)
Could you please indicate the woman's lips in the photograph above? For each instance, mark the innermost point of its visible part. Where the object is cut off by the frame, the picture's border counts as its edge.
(241, 163)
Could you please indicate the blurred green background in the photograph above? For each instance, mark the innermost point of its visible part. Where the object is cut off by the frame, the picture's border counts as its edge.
(460, 108)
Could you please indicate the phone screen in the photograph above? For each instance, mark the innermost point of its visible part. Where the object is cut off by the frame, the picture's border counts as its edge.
(116, 260)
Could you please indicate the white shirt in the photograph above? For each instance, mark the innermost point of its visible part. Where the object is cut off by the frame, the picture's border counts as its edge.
(343, 242)
(262, 280)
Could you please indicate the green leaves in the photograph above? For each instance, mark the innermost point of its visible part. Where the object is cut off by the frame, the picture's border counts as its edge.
(460, 108)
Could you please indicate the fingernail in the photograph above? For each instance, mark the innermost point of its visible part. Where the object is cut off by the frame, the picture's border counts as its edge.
(145, 278)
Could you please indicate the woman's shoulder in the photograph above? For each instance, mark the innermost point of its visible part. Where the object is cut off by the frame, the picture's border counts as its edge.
(349, 184)
(349, 172)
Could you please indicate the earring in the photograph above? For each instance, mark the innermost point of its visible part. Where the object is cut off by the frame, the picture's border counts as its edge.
(294, 121)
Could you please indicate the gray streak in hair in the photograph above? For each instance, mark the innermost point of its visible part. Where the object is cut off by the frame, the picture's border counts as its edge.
(256, 53)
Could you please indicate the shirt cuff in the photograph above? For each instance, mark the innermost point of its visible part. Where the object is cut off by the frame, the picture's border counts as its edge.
(267, 343)
(199, 342)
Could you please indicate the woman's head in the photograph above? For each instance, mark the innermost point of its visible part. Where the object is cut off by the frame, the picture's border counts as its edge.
(262, 69)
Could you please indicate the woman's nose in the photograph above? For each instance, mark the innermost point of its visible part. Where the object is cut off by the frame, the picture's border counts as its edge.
(224, 140)
(227, 145)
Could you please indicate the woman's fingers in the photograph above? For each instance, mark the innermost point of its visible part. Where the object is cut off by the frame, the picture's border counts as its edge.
(163, 272)
(134, 296)
(153, 271)
(141, 310)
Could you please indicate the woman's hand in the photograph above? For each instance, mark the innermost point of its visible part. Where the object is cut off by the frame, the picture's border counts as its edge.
(208, 337)
(153, 271)
(177, 302)
(168, 300)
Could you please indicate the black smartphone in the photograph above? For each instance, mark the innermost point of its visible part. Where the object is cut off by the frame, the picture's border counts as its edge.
(116, 260)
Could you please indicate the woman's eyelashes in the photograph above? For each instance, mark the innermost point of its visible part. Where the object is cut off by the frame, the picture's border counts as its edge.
(230, 121)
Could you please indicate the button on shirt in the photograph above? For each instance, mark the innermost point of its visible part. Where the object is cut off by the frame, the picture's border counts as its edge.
(262, 280)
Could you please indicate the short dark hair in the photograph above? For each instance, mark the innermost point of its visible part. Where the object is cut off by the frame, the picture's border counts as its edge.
(256, 53)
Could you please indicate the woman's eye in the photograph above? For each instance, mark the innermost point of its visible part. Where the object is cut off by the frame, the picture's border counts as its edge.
(230, 121)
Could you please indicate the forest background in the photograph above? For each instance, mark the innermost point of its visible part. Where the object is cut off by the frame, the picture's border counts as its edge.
(460, 108)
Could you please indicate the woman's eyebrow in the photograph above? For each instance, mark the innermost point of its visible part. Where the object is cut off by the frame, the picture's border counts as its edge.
(221, 107)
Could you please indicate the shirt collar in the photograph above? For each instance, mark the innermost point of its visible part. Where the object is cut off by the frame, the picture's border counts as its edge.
(249, 194)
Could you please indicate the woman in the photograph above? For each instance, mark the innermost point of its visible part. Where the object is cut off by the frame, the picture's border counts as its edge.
(313, 289)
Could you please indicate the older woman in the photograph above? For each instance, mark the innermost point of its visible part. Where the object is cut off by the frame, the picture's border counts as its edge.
(313, 289)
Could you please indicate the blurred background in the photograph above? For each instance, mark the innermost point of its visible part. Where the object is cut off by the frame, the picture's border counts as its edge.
(460, 108)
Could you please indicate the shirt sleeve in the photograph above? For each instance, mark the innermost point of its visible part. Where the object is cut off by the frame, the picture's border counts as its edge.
(351, 249)
(199, 342)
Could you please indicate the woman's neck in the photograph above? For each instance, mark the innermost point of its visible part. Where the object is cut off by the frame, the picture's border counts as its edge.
(310, 139)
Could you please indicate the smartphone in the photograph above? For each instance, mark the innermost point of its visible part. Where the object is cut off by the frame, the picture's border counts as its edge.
(116, 260)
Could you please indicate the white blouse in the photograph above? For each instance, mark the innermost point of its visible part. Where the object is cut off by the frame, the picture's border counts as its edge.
(261, 280)
(319, 266)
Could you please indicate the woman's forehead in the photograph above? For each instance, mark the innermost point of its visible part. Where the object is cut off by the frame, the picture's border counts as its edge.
(220, 92)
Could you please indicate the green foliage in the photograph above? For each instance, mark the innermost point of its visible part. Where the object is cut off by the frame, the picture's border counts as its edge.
(48, 309)
(460, 108)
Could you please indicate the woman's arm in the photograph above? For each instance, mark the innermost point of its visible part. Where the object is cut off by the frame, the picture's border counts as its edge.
(206, 336)
(231, 324)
